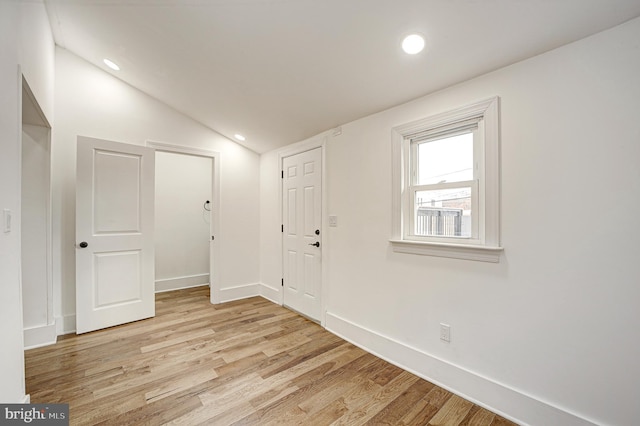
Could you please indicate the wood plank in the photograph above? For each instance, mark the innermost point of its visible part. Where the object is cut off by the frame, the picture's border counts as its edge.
(398, 408)
(361, 411)
(478, 416)
(452, 412)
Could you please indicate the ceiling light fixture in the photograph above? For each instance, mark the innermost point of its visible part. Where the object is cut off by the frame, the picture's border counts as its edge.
(111, 64)
(413, 43)
(239, 137)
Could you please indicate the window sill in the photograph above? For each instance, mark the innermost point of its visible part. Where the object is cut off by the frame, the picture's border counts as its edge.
(454, 251)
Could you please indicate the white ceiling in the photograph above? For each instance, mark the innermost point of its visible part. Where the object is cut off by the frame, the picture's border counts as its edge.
(280, 71)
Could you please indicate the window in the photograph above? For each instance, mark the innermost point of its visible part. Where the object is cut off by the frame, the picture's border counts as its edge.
(446, 184)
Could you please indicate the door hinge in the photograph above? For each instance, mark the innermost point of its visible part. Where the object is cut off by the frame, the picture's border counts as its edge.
(281, 228)
(283, 282)
(282, 174)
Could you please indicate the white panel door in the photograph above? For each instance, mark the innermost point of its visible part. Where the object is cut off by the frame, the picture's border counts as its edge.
(114, 233)
(302, 219)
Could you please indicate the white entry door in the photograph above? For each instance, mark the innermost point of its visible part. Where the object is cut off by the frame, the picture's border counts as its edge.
(114, 234)
(302, 219)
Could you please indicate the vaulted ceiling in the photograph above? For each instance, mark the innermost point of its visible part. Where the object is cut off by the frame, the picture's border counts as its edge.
(280, 71)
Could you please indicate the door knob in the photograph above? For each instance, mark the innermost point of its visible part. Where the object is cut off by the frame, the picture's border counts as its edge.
(316, 244)
(84, 244)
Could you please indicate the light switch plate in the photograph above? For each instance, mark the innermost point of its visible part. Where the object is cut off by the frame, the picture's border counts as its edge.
(333, 221)
(6, 220)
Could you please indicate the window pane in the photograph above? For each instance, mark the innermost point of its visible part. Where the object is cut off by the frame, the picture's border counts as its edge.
(443, 213)
(446, 160)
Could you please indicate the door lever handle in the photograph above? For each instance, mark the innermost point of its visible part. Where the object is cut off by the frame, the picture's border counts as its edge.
(316, 244)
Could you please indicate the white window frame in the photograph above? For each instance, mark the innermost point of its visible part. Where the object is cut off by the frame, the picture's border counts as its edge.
(484, 243)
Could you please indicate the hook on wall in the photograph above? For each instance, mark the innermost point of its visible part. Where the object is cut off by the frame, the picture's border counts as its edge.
(204, 206)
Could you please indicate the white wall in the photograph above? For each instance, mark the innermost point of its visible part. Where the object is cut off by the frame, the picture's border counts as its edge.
(35, 193)
(548, 336)
(182, 233)
(91, 102)
(11, 360)
(37, 54)
(25, 41)
(270, 227)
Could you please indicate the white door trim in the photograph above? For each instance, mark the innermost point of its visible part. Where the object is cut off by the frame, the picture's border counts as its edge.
(319, 142)
(214, 253)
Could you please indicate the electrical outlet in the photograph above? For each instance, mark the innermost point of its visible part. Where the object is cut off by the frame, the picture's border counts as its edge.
(445, 332)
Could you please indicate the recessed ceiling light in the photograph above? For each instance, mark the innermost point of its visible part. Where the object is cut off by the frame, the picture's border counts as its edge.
(239, 137)
(111, 64)
(413, 43)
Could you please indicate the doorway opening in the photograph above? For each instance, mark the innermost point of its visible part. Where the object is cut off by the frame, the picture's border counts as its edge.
(35, 217)
(186, 218)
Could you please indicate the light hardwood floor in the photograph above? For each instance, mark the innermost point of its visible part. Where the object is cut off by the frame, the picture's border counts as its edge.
(248, 362)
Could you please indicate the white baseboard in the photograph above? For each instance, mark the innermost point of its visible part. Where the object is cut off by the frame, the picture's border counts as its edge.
(510, 403)
(272, 294)
(43, 335)
(26, 399)
(178, 283)
(182, 288)
(66, 324)
(239, 292)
